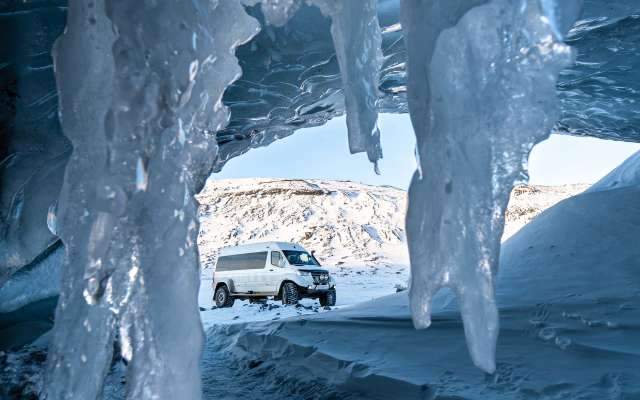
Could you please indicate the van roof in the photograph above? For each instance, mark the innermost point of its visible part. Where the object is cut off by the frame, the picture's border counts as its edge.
(259, 246)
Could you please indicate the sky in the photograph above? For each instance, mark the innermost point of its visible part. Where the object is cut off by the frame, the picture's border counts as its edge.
(323, 153)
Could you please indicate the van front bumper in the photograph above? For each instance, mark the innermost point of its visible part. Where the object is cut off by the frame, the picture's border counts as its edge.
(316, 290)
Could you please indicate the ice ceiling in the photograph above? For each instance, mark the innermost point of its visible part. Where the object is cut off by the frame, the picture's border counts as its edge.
(140, 89)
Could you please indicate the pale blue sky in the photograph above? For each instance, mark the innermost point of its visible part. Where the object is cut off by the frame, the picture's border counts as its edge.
(323, 153)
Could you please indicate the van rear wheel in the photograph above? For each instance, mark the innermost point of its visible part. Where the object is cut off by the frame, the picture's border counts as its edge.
(223, 298)
(290, 293)
(328, 299)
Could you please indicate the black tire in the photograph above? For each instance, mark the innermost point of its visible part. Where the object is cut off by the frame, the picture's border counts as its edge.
(222, 297)
(290, 293)
(328, 299)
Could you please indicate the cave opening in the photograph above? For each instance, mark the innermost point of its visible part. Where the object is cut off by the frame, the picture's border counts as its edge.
(151, 108)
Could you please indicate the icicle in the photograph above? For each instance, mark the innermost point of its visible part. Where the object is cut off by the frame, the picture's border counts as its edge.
(122, 99)
(481, 92)
(357, 40)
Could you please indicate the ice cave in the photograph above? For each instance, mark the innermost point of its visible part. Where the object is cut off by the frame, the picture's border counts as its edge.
(115, 113)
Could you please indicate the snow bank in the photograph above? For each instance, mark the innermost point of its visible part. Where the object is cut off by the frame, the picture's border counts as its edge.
(568, 292)
(626, 174)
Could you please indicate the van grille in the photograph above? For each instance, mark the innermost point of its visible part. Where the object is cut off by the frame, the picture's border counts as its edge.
(320, 278)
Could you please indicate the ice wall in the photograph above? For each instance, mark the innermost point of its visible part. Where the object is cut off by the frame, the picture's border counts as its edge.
(481, 93)
(140, 99)
(33, 151)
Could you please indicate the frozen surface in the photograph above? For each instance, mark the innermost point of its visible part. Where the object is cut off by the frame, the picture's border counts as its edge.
(567, 290)
(479, 99)
(37, 282)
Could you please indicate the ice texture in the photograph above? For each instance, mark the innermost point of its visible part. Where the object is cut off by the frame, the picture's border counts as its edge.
(481, 93)
(357, 40)
(38, 281)
(140, 99)
(33, 151)
(278, 12)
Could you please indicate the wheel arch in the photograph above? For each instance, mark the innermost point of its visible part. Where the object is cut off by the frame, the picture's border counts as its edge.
(228, 283)
(279, 295)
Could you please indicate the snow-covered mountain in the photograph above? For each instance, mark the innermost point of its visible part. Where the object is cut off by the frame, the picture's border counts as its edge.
(343, 222)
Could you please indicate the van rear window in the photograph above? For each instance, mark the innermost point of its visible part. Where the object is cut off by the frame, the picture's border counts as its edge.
(242, 261)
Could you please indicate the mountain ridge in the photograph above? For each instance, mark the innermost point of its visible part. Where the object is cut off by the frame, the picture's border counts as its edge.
(343, 221)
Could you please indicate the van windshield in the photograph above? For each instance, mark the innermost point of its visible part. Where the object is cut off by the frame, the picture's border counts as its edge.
(296, 257)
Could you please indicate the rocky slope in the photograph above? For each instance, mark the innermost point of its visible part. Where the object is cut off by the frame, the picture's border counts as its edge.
(344, 222)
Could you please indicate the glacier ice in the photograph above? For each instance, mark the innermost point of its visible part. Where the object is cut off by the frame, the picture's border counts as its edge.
(38, 281)
(481, 93)
(357, 40)
(140, 88)
(278, 12)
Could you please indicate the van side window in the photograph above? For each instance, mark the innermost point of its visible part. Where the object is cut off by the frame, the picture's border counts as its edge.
(276, 256)
(238, 262)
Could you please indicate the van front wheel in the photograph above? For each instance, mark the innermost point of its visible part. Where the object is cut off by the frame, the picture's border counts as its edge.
(290, 293)
(222, 297)
(328, 299)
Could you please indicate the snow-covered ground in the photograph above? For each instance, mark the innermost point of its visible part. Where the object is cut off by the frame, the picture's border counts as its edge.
(569, 297)
(355, 284)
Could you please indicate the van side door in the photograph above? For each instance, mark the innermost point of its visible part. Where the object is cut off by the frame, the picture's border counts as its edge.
(273, 273)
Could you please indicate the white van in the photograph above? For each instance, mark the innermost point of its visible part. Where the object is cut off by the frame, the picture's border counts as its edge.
(283, 270)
